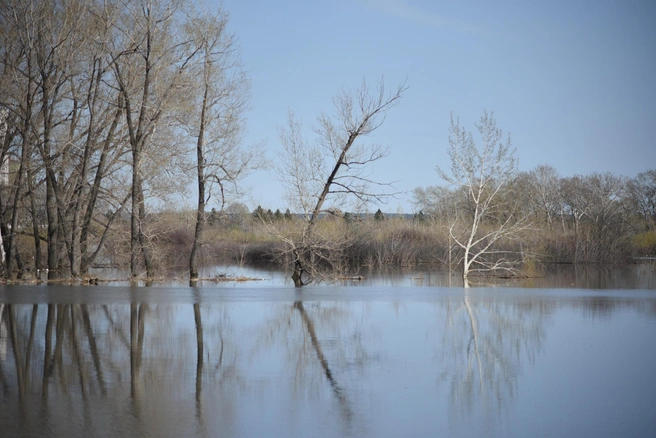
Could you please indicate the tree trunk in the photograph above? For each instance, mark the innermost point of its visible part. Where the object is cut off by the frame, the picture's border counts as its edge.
(138, 242)
(200, 212)
(85, 258)
(51, 199)
(297, 275)
(35, 221)
(134, 216)
(11, 245)
(145, 251)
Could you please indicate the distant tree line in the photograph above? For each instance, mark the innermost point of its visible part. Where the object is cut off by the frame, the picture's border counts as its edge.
(595, 218)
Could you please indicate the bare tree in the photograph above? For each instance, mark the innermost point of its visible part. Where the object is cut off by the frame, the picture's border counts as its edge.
(150, 56)
(604, 205)
(543, 183)
(641, 192)
(596, 204)
(52, 63)
(320, 179)
(484, 176)
(94, 93)
(46, 40)
(216, 119)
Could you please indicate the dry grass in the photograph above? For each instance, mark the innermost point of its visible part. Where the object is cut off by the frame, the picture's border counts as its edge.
(357, 243)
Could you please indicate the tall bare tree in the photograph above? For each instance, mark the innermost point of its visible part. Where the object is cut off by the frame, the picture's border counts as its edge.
(641, 192)
(321, 178)
(45, 40)
(543, 182)
(216, 119)
(149, 61)
(484, 176)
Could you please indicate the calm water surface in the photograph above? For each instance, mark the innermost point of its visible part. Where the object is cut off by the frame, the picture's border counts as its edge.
(637, 276)
(327, 361)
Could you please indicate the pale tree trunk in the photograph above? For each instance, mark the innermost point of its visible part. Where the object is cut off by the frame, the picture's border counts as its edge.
(2, 250)
(145, 250)
(3, 131)
(134, 218)
(486, 175)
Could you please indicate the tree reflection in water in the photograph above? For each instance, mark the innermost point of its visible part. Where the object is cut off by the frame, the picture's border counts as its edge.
(85, 353)
(277, 367)
(74, 358)
(347, 413)
(319, 341)
(485, 343)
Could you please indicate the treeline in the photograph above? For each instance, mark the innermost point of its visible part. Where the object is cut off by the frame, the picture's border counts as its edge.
(595, 218)
(351, 241)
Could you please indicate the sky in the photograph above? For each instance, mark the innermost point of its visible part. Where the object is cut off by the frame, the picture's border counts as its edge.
(572, 81)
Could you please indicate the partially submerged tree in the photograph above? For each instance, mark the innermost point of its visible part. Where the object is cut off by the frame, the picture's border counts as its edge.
(216, 119)
(321, 179)
(87, 85)
(64, 123)
(484, 178)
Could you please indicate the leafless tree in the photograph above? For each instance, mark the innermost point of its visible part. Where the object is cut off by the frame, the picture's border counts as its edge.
(323, 177)
(597, 206)
(543, 182)
(45, 62)
(216, 119)
(641, 192)
(435, 201)
(149, 58)
(66, 115)
(485, 176)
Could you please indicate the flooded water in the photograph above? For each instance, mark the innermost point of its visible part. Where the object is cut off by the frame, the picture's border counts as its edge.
(637, 276)
(326, 361)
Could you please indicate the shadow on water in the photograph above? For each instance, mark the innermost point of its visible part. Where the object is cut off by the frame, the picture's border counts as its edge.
(186, 364)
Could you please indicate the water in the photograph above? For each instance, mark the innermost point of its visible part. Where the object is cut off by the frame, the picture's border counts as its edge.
(326, 361)
(638, 276)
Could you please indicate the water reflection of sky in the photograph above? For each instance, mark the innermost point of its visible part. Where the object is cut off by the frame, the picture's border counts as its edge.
(638, 276)
(327, 361)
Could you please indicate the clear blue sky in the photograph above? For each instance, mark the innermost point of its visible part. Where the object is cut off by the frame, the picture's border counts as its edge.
(574, 82)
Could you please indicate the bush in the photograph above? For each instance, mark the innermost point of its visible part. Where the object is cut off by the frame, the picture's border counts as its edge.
(645, 243)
